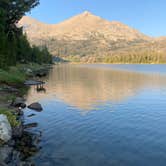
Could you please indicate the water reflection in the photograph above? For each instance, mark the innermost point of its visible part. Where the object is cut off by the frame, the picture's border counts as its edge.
(86, 88)
(132, 134)
(41, 89)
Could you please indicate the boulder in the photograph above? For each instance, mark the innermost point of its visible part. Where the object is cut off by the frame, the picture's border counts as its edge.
(5, 129)
(19, 102)
(35, 106)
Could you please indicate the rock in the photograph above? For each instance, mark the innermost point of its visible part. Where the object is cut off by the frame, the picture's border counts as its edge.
(17, 132)
(11, 143)
(41, 73)
(5, 154)
(26, 145)
(26, 163)
(19, 102)
(23, 105)
(5, 129)
(11, 157)
(15, 158)
(36, 107)
(28, 71)
(19, 112)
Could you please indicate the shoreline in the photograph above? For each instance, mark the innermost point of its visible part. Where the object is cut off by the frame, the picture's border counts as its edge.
(22, 144)
(116, 63)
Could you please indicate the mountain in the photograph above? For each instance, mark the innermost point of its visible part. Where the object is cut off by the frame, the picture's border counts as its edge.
(87, 35)
(81, 27)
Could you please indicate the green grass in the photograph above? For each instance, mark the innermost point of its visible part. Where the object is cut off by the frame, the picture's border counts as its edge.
(7, 97)
(11, 117)
(14, 76)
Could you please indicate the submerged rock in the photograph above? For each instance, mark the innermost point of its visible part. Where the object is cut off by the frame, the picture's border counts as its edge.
(5, 129)
(30, 125)
(35, 106)
(31, 115)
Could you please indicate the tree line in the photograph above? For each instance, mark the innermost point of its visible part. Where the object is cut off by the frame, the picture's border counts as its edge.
(14, 46)
(129, 57)
(92, 51)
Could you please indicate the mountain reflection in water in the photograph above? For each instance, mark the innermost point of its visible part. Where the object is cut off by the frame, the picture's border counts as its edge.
(86, 88)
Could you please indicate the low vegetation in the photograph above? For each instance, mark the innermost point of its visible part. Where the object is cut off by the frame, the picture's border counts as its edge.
(12, 118)
(13, 76)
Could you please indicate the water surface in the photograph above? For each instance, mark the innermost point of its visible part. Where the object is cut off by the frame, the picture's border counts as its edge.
(102, 115)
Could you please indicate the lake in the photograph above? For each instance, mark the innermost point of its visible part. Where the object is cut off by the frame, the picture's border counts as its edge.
(101, 115)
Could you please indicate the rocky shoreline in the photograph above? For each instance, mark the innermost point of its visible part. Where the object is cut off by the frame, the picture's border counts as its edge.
(22, 144)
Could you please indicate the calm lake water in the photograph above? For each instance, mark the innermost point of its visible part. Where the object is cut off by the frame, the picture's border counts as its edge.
(102, 115)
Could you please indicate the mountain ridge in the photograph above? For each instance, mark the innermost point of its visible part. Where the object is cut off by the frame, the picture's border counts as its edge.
(89, 35)
(83, 23)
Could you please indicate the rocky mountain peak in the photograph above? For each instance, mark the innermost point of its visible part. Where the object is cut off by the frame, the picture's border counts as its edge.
(87, 13)
(82, 33)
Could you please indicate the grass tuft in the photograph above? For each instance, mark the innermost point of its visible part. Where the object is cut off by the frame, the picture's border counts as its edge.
(11, 117)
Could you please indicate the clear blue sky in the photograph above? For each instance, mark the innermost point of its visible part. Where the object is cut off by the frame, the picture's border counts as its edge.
(148, 16)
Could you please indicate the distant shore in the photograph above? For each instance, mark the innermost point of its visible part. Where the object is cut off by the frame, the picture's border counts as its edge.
(116, 63)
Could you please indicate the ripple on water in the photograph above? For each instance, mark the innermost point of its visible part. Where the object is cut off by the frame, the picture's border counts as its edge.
(94, 116)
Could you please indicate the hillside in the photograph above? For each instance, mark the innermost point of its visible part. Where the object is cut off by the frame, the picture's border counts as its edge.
(87, 35)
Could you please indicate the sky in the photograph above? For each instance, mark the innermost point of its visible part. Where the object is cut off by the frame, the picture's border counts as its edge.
(147, 16)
